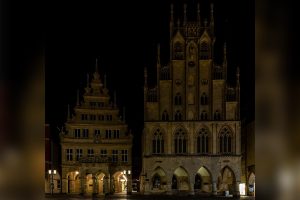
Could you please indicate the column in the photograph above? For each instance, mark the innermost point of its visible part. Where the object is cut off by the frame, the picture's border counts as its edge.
(237, 189)
(129, 184)
(214, 188)
(214, 139)
(64, 185)
(105, 184)
(112, 182)
(82, 183)
(192, 183)
(94, 184)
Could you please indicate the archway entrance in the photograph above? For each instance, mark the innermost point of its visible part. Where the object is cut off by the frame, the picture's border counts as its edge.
(159, 179)
(89, 184)
(100, 183)
(73, 182)
(251, 185)
(226, 181)
(120, 182)
(180, 180)
(203, 180)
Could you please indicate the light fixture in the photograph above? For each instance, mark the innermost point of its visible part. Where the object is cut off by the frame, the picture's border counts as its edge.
(124, 172)
(54, 171)
(77, 172)
(49, 171)
(129, 172)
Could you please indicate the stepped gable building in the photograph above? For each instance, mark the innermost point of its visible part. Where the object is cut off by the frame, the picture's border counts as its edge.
(191, 139)
(96, 146)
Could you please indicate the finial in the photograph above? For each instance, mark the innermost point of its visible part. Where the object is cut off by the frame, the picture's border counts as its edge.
(105, 80)
(145, 76)
(158, 53)
(178, 22)
(115, 99)
(172, 12)
(184, 11)
(211, 8)
(69, 113)
(87, 80)
(238, 76)
(96, 70)
(78, 98)
(225, 50)
(198, 12)
(205, 23)
(212, 18)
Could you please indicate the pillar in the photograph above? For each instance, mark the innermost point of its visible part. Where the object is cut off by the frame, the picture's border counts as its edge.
(192, 183)
(105, 185)
(129, 184)
(237, 189)
(214, 188)
(82, 183)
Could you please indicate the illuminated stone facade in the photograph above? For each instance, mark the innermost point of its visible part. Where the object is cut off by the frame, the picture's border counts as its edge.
(191, 139)
(96, 145)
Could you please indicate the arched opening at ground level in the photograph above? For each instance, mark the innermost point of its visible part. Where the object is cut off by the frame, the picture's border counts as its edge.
(73, 182)
(96, 183)
(180, 180)
(251, 184)
(203, 181)
(120, 182)
(159, 179)
(226, 181)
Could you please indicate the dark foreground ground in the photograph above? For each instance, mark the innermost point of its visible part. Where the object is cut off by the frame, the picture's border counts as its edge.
(140, 197)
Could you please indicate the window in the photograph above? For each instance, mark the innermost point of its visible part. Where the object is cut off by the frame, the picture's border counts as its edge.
(204, 51)
(100, 104)
(58, 184)
(178, 51)
(93, 117)
(178, 116)
(93, 104)
(84, 116)
(204, 115)
(164, 74)
(108, 134)
(90, 152)
(69, 154)
(85, 133)
(217, 115)
(202, 141)
(178, 99)
(78, 154)
(165, 116)
(225, 140)
(204, 99)
(103, 152)
(158, 142)
(116, 134)
(101, 117)
(97, 132)
(114, 155)
(109, 117)
(180, 141)
(77, 133)
(124, 154)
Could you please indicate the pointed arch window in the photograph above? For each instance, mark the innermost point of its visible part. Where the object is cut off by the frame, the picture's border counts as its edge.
(217, 115)
(165, 74)
(165, 116)
(178, 116)
(178, 51)
(203, 115)
(158, 142)
(225, 140)
(202, 141)
(178, 99)
(180, 141)
(204, 99)
(204, 51)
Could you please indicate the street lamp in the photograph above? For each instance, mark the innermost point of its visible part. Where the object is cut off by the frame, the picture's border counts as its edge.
(51, 173)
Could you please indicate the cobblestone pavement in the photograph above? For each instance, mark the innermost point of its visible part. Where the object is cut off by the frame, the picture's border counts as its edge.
(140, 197)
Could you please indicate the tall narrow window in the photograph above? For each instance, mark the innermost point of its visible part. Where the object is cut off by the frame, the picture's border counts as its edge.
(78, 154)
(204, 115)
(90, 152)
(178, 100)
(204, 99)
(178, 116)
(202, 141)
(180, 141)
(114, 155)
(225, 140)
(165, 116)
(204, 51)
(178, 51)
(85, 133)
(217, 115)
(124, 154)
(157, 142)
(103, 152)
(77, 133)
(69, 154)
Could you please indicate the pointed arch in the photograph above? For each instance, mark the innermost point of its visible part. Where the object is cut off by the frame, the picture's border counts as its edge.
(180, 140)
(226, 140)
(158, 142)
(180, 179)
(203, 180)
(165, 116)
(203, 140)
(158, 178)
(178, 116)
(226, 180)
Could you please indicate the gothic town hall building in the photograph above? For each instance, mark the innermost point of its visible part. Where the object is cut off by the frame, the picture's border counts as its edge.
(191, 139)
(96, 146)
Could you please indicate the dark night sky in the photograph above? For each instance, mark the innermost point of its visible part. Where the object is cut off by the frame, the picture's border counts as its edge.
(123, 36)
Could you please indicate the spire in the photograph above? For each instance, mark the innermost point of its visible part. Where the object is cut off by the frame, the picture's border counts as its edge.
(238, 77)
(225, 61)
(178, 23)
(87, 80)
(158, 54)
(184, 12)
(69, 113)
(198, 13)
(205, 23)
(115, 99)
(96, 73)
(78, 103)
(172, 14)
(212, 21)
(145, 77)
(105, 80)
